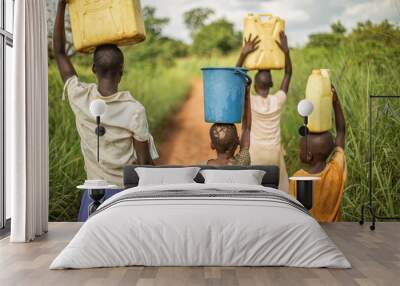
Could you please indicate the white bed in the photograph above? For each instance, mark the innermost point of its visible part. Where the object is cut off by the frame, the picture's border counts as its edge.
(224, 225)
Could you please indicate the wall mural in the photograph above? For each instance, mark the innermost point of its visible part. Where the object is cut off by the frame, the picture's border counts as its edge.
(229, 96)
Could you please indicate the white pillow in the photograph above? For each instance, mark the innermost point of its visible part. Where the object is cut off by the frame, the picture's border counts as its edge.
(166, 176)
(247, 177)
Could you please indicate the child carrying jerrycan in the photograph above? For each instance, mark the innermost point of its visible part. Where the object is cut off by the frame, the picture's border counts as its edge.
(326, 160)
(266, 109)
(128, 139)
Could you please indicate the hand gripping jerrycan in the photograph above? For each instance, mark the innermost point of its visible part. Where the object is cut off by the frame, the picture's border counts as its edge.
(318, 91)
(96, 22)
(224, 91)
(268, 55)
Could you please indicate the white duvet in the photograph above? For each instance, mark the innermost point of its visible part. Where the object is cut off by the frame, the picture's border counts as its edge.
(202, 231)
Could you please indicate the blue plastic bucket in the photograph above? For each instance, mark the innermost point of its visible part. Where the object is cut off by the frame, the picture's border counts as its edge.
(224, 91)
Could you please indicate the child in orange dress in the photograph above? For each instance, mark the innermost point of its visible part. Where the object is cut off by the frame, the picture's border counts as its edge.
(326, 160)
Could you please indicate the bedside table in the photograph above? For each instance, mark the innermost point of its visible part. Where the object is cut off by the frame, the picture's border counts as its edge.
(93, 198)
(304, 190)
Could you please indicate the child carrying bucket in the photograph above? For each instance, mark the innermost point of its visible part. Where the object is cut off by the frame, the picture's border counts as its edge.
(223, 133)
(266, 108)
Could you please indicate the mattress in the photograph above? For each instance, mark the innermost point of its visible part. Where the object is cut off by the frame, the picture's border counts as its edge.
(201, 225)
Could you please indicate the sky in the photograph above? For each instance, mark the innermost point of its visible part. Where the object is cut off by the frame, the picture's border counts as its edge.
(303, 17)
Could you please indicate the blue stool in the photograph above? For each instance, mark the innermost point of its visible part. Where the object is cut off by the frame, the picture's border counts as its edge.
(86, 201)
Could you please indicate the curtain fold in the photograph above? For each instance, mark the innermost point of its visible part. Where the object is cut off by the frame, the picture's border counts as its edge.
(27, 122)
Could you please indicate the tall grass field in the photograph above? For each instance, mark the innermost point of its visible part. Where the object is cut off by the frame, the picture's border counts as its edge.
(361, 65)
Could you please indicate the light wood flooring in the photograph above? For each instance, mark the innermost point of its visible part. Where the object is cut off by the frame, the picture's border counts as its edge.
(375, 257)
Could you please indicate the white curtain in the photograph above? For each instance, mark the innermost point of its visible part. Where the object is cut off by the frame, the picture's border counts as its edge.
(27, 124)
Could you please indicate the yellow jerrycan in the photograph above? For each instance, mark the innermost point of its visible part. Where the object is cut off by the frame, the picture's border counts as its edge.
(268, 55)
(318, 91)
(96, 22)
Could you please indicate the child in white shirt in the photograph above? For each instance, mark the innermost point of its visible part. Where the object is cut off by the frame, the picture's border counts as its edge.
(127, 139)
(265, 137)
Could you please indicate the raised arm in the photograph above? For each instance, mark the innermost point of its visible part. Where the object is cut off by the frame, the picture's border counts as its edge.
(250, 45)
(339, 120)
(142, 149)
(63, 62)
(288, 62)
(246, 121)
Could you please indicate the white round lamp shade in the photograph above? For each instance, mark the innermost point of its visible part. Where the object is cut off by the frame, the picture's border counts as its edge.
(305, 107)
(98, 107)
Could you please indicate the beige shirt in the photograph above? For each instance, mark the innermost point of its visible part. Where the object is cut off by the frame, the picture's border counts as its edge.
(125, 119)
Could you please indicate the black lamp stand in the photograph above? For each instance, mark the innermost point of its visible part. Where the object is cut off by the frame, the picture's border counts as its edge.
(97, 194)
(303, 131)
(100, 131)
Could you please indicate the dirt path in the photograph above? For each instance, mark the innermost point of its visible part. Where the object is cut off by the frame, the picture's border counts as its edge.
(187, 140)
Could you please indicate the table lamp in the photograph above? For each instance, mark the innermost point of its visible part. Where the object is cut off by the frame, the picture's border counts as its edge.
(97, 108)
(304, 185)
(305, 108)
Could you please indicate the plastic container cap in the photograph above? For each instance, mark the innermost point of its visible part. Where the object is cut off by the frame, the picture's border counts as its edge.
(316, 72)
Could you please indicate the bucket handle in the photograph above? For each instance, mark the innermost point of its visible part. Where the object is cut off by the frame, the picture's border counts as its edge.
(243, 74)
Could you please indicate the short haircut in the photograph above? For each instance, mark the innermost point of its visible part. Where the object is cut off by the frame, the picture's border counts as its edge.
(320, 144)
(108, 60)
(223, 136)
(263, 79)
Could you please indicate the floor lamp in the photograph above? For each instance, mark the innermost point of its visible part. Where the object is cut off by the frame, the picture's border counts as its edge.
(369, 205)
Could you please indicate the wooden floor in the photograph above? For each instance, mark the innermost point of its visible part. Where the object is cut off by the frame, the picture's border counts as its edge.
(375, 257)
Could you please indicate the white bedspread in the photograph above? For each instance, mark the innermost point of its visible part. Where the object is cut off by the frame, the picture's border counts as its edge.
(203, 231)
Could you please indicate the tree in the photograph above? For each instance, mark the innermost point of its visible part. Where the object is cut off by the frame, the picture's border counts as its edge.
(195, 19)
(377, 43)
(383, 33)
(176, 48)
(338, 28)
(154, 25)
(328, 40)
(217, 36)
(157, 49)
(368, 42)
